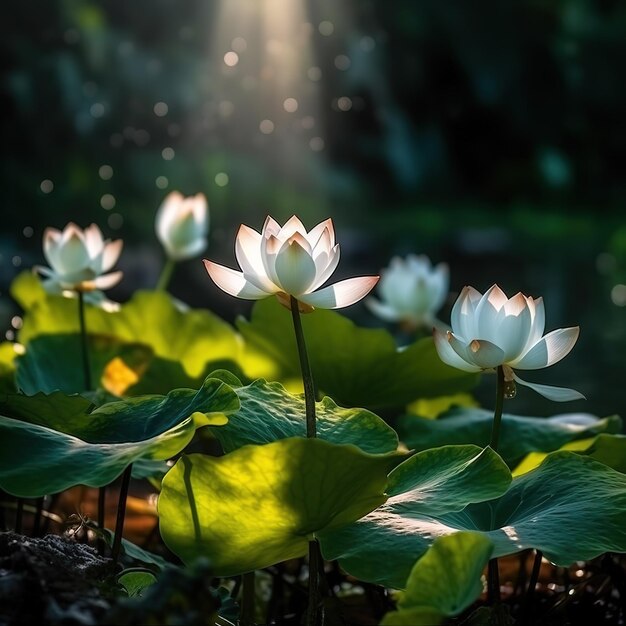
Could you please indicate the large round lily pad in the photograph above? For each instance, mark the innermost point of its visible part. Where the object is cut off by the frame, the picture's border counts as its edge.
(262, 504)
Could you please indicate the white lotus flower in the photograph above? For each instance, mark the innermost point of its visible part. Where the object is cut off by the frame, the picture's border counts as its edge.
(289, 261)
(492, 330)
(79, 259)
(182, 225)
(411, 290)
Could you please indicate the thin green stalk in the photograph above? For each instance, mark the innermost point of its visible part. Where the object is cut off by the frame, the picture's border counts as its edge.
(121, 513)
(532, 584)
(83, 341)
(493, 578)
(497, 414)
(38, 514)
(166, 275)
(314, 614)
(305, 367)
(247, 599)
(101, 511)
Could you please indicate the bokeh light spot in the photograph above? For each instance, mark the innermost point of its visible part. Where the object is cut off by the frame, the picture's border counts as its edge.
(326, 28)
(290, 105)
(160, 109)
(161, 182)
(105, 172)
(266, 127)
(107, 201)
(46, 185)
(221, 179)
(231, 58)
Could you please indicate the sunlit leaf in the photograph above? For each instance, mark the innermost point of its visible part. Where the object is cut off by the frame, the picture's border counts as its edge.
(571, 507)
(445, 581)
(519, 435)
(193, 337)
(608, 449)
(260, 505)
(431, 408)
(268, 412)
(355, 366)
(68, 445)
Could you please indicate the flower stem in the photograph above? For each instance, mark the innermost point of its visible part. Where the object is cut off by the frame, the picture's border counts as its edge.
(121, 513)
(314, 616)
(530, 592)
(493, 582)
(83, 341)
(247, 599)
(101, 508)
(166, 275)
(497, 414)
(307, 377)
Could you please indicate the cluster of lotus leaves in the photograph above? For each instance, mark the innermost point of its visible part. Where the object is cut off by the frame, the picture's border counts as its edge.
(162, 371)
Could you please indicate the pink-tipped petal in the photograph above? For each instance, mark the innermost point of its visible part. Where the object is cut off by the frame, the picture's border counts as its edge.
(93, 240)
(292, 225)
(248, 253)
(51, 240)
(496, 297)
(341, 294)
(111, 254)
(549, 349)
(107, 281)
(233, 282)
(557, 394)
(448, 355)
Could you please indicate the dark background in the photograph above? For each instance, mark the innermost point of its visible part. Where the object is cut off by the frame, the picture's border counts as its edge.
(486, 134)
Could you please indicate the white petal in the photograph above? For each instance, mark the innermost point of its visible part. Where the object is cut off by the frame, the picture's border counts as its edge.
(51, 241)
(482, 353)
(462, 316)
(341, 294)
(270, 227)
(448, 355)
(549, 349)
(558, 394)
(167, 214)
(295, 269)
(384, 311)
(292, 225)
(323, 274)
(512, 327)
(538, 321)
(107, 281)
(486, 315)
(233, 282)
(248, 253)
(72, 254)
(270, 246)
(111, 254)
(496, 297)
(317, 231)
(93, 240)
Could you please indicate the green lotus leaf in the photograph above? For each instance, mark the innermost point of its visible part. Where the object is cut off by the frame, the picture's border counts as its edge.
(355, 366)
(268, 412)
(444, 582)
(68, 445)
(608, 449)
(191, 337)
(260, 505)
(571, 508)
(519, 435)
